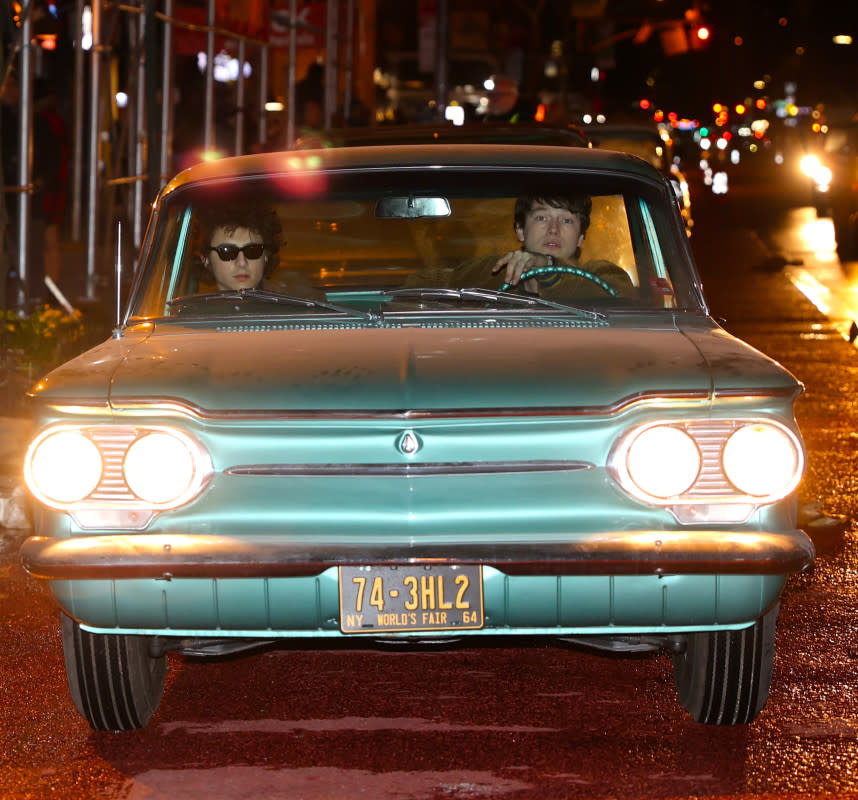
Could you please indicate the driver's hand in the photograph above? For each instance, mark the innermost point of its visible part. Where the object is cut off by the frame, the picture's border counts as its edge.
(517, 262)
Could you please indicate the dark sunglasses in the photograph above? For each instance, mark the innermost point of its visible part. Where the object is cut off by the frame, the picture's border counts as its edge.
(229, 252)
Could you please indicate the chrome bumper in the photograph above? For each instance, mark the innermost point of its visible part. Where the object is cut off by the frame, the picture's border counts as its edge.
(167, 556)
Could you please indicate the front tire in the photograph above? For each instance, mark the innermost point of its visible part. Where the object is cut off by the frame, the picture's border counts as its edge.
(723, 677)
(114, 681)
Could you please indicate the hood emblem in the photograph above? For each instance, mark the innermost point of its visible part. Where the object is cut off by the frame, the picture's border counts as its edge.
(408, 443)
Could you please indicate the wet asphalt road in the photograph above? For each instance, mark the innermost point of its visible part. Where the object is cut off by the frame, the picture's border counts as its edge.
(536, 722)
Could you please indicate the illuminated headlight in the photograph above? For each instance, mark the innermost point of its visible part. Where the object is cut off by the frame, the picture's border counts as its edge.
(63, 466)
(762, 460)
(161, 467)
(822, 177)
(809, 164)
(716, 470)
(115, 475)
(662, 461)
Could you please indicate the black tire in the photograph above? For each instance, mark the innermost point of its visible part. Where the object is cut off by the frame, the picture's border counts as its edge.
(723, 677)
(114, 682)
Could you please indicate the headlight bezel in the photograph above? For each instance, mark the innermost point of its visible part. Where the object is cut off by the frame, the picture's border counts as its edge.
(713, 488)
(113, 498)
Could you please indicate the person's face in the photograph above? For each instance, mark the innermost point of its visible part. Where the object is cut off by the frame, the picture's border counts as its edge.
(551, 231)
(242, 272)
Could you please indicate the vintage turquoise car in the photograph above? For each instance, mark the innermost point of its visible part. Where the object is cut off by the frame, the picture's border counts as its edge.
(328, 414)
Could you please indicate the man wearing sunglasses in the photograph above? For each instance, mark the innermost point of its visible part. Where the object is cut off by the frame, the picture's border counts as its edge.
(242, 246)
(237, 258)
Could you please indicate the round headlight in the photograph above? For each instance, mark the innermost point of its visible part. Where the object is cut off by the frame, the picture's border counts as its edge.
(663, 461)
(159, 467)
(63, 467)
(762, 460)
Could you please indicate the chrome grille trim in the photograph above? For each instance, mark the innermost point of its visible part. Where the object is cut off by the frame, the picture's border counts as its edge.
(113, 442)
(408, 470)
(710, 438)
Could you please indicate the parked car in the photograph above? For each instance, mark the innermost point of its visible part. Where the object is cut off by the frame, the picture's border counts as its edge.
(651, 143)
(447, 133)
(390, 442)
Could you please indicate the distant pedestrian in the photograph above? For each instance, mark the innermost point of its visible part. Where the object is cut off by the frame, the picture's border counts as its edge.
(53, 171)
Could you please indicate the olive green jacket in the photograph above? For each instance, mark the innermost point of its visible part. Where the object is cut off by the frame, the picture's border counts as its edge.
(552, 284)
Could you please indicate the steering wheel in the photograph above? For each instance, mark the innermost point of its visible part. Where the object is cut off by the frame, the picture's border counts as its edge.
(535, 273)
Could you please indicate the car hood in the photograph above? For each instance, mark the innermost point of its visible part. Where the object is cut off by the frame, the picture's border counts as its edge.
(398, 369)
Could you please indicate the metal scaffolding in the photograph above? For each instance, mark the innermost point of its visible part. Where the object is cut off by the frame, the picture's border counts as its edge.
(124, 166)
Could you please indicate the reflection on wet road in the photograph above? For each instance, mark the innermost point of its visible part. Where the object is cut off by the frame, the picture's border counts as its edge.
(812, 264)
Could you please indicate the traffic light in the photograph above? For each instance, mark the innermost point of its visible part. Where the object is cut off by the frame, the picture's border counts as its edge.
(699, 30)
(700, 34)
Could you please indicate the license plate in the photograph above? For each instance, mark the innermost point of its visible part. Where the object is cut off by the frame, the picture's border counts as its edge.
(411, 598)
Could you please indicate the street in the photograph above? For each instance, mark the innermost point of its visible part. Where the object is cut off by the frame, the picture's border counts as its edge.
(510, 722)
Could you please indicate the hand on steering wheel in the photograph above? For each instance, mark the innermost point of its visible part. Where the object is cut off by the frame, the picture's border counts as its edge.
(535, 273)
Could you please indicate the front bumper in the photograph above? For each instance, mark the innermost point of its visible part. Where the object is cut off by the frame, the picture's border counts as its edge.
(168, 556)
(614, 583)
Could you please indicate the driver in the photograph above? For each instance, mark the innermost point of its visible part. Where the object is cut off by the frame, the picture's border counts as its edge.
(551, 229)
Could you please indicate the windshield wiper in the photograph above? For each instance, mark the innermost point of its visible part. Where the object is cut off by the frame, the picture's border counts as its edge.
(489, 296)
(266, 296)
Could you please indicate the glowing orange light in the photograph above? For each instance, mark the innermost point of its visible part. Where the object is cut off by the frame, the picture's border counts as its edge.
(658, 116)
(644, 104)
(740, 108)
(539, 116)
(760, 103)
(702, 33)
(717, 108)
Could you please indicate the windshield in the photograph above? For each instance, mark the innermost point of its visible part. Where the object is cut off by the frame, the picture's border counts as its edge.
(350, 240)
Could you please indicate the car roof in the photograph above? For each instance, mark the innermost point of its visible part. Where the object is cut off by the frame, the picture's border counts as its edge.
(478, 156)
(447, 133)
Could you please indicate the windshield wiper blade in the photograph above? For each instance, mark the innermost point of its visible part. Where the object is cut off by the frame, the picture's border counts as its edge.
(491, 296)
(266, 296)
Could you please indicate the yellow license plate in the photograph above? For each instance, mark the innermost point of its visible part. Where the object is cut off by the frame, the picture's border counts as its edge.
(411, 598)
